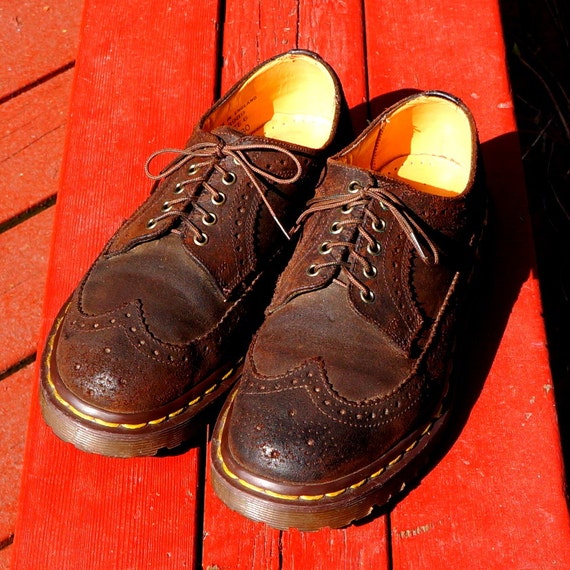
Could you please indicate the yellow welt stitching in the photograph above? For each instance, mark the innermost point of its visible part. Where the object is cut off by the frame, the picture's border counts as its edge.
(134, 426)
(101, 422)
(280, 496)
(332, 494)
(395, 460)
(228, 472)
(157, 421)
(251, 486)
(335, 493)
(411, 446)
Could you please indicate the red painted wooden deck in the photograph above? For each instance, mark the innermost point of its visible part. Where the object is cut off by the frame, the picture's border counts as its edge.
(38, 46)
(145, 72)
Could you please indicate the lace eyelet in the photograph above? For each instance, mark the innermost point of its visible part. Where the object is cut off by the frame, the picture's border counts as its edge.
(379, 226)
(202, 240)
(151, 224)
(374, 249)
(346, 209)
(193, 169)
(370, 272)
(354, 187)
(166, 207)
(312, 271)
(219, 199)
(325, 248)
(368, 296)
(335, 228)
(209, 219)
(229, 178)
(178, 189)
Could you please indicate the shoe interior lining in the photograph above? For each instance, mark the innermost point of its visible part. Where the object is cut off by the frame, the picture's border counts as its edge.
(291, 99)
(427, 143)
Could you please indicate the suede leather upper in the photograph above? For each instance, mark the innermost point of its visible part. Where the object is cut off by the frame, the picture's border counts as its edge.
(354, 354)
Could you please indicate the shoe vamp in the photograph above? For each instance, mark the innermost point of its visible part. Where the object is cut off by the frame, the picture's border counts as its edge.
(360, 361)
(178, 298)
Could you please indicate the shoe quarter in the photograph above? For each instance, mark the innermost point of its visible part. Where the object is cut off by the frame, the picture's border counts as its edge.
(408, 292)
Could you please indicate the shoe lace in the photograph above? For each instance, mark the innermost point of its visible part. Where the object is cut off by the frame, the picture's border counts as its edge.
(210, 154)
(364, 196)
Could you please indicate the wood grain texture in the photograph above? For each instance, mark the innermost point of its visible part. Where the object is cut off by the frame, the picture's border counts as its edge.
(139, 86)
(31, 144)
(37, 39)
(476, 507)
(24, 252)
(14, 410)
(254, 31)
(496, 499)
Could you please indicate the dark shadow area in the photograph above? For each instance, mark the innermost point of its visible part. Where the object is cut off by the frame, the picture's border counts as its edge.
(537, 39)
(504, 265)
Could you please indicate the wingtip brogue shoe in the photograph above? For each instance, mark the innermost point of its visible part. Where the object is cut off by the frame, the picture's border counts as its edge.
(346, 385)
(156, 331)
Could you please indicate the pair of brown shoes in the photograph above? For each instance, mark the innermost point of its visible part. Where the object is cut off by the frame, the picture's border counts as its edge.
(346, 381)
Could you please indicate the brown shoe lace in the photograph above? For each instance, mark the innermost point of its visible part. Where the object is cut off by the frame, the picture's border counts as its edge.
(363, 196)
(210, 154)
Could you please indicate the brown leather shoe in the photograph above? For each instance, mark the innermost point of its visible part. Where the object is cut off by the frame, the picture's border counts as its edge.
(346, 384)
(157, 329)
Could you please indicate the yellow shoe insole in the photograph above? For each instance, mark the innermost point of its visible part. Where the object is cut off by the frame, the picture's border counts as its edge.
(291, 99)
(427, 143)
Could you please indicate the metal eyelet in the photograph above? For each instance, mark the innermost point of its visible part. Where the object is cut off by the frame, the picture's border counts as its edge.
(379, 226)
(229, 178)
(202, 240)
(370, 272)
(325, 248)
(367, 297)
(178, 189)
(374, 249)
(166, 207)
(209, 219)
(312, 271)
(346, 209)
(151, 224)
(354, 187)
(335, 228)
(219, 199)
(193, 169)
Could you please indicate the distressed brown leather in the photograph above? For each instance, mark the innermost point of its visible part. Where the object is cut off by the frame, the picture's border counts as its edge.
(171, 303)
(353, 358)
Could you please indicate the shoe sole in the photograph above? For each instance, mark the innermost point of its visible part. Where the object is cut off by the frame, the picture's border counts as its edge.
(94, 435)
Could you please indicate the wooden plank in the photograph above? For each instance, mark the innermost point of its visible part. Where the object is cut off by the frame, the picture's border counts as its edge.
(37, 39)
(24, 252)
(103, 155)
(99, 512)
(231, 541)
(254, 31)
(31, 144)
(14, 410)
(496, 500)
